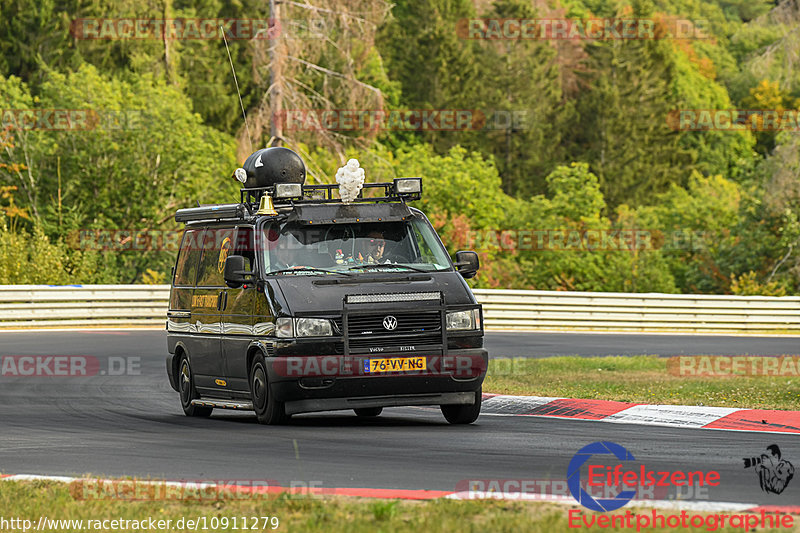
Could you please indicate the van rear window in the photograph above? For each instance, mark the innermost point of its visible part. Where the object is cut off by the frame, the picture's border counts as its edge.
(188, 258)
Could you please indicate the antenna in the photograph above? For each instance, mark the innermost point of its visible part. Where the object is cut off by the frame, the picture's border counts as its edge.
(233, 70)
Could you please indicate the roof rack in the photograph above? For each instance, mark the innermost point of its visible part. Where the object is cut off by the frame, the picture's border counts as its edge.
(401, 190)
(323, 194)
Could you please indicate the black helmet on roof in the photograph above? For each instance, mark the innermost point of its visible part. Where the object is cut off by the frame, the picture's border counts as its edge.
(269, 166)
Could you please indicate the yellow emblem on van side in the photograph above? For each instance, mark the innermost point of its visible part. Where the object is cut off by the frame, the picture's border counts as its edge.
(205, 300)
(223, 254)
(221, 382)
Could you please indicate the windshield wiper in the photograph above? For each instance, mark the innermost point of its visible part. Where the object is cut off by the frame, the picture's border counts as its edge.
(309, 269)
(387, 265)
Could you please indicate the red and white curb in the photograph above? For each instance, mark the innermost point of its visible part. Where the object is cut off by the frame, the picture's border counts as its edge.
(409, 494)
(682, 416)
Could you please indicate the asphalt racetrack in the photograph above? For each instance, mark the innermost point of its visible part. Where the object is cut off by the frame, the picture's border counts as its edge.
(132, 425)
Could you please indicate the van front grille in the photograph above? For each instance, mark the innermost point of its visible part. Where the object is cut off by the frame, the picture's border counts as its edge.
(420, 330)
(407, 323)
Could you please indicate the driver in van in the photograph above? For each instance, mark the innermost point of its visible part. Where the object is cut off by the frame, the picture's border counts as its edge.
(284, 257)
(374, 248)
(285, 250)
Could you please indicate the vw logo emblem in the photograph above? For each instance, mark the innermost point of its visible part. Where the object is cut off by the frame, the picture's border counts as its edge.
(389, 323)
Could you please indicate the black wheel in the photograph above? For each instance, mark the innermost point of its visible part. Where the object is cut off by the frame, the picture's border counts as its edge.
(268, 409)
(463, 414)
(188, 392)
(368, 411)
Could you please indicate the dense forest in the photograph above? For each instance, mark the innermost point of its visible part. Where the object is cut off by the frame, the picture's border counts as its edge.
(568, 161)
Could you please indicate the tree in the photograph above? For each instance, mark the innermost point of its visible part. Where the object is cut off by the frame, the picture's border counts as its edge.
(573, 246)
(702, 232)
(23, 148)
(623, 132)
(513, 88)
(143, 155)
(527, 108)
(321, 57)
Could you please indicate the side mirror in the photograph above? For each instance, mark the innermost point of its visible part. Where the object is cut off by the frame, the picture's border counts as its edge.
(235, 274)
(467, 264)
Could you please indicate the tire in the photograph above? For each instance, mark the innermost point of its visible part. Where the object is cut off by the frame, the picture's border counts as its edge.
(268, 410)
(188, 392)
(368, 412)
(463, 414)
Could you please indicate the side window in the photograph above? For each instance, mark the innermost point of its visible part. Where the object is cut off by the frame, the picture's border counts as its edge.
(188, 258)
(245, 246)
(217, 245)
(268, 241)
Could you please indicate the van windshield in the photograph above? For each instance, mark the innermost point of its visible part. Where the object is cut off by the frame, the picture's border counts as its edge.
(295, 249)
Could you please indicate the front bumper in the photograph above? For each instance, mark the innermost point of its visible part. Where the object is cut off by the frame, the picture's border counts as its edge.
(338, 382)
(335, 404)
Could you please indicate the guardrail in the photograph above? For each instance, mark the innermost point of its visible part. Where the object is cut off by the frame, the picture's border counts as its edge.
(615, 311)
(83, 305)
(146, 305)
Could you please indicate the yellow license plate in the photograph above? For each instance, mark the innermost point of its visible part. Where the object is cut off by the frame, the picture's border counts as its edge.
(395, 364)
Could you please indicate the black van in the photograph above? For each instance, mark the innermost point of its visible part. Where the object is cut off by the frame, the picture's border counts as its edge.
(292, 301)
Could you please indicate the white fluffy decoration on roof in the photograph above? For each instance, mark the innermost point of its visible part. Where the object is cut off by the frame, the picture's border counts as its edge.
(350, 179)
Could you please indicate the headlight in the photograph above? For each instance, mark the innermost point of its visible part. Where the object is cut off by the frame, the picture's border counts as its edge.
(312, 327)
(303, 327)
(464, 320)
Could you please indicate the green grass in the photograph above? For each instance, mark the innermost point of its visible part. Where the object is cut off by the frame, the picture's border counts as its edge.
(308, 514)
(641, 379)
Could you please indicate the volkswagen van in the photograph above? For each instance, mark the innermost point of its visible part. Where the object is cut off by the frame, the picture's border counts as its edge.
(295, 301)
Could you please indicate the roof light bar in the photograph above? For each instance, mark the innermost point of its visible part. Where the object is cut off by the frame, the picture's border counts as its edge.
(393, 297)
